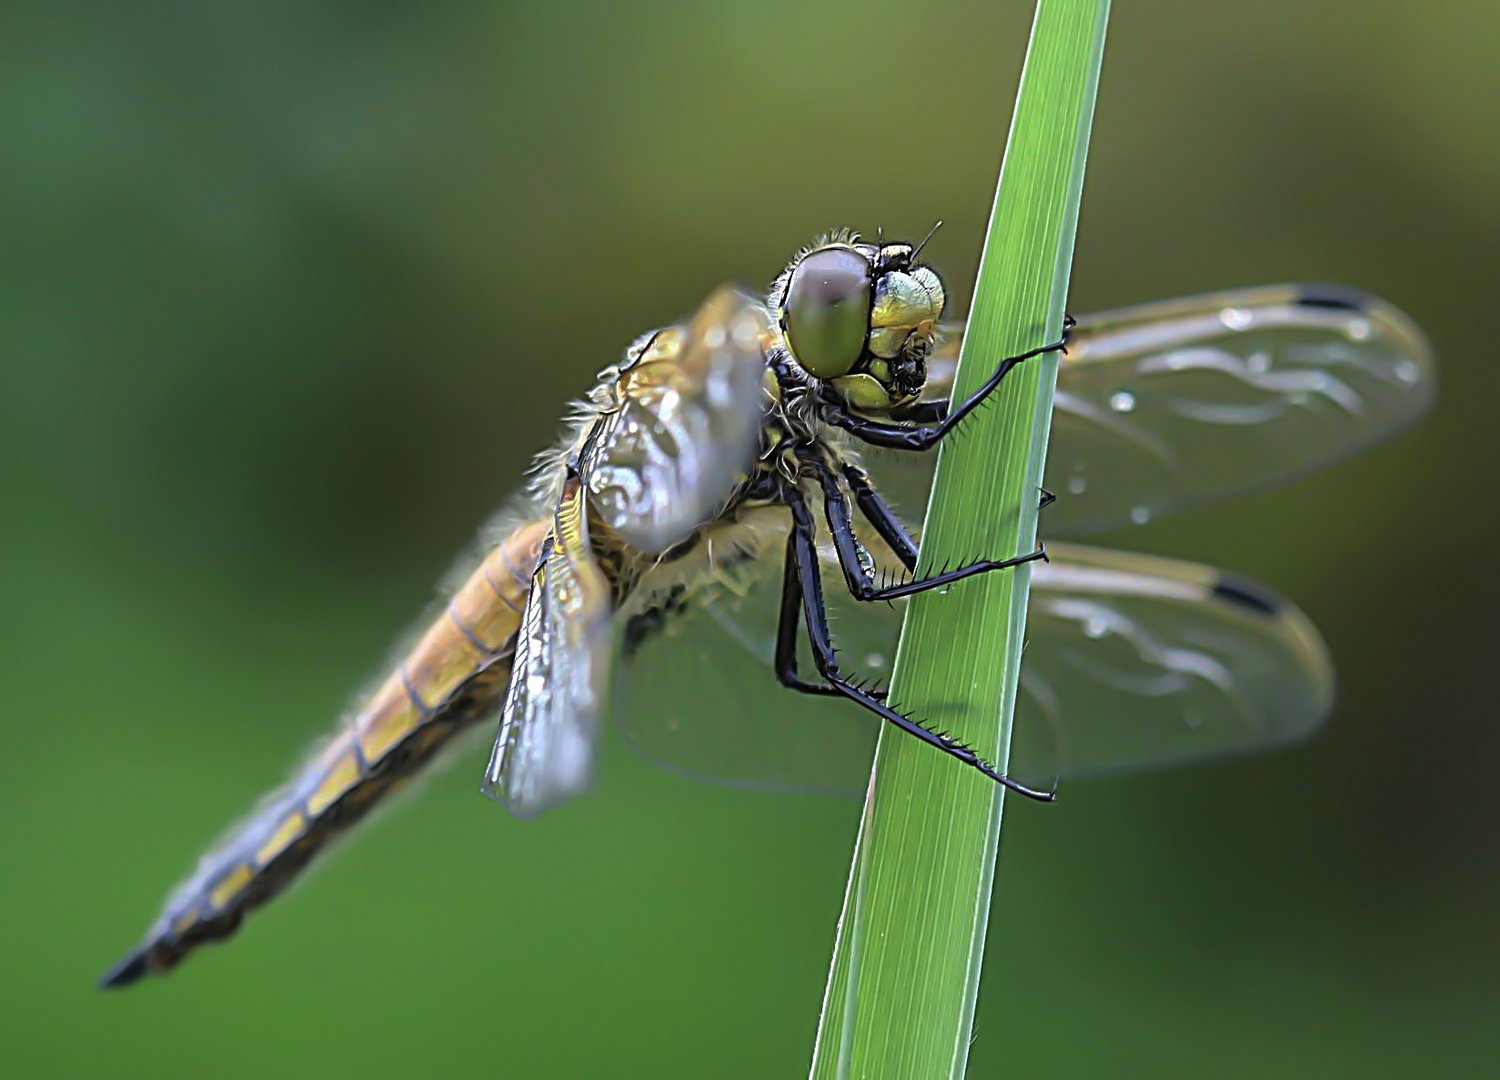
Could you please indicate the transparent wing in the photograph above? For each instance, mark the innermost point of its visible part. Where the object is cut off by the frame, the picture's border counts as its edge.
(544, 751)
(1131, 662)
(1169, 405)
(698, 693)
(684, 424)
(1136, 662)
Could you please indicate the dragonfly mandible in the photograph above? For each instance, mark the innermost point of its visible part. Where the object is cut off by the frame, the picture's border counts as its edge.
(677, 521)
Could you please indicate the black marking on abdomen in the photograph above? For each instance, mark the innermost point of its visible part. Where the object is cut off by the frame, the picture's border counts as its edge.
(468, 632)
(424, 710)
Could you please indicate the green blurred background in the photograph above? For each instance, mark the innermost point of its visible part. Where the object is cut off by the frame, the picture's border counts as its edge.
(291, 291)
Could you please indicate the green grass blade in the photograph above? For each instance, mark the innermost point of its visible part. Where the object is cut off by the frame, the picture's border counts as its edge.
(905, 972)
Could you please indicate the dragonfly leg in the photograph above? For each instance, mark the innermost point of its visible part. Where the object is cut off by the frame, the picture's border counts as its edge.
(879, 514)
(786, 634)
(897, 436)
(803, 588)
(861, 585)
(926, 412)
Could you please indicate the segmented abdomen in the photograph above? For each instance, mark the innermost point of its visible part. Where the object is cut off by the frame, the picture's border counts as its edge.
(452, 677)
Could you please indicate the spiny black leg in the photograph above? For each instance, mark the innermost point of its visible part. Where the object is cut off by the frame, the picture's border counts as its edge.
(890, 527)
(861, 585)
(808, 587)
(948, 577)
(925, 412)
(957, 413)
(786, 631)
(935, 409)
(879, 514)
(924, 436)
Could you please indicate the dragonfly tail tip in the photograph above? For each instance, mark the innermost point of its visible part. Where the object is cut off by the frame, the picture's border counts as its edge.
(125, 972)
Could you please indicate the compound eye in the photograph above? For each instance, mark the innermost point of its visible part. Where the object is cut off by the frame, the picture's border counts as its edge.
(828, 310)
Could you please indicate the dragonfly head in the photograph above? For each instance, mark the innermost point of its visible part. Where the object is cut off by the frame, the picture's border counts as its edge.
(861, 318)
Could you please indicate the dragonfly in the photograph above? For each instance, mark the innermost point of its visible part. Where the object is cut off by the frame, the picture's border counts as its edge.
(724, 499)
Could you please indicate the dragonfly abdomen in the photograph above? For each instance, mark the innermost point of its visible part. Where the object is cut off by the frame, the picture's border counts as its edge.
(452, 677)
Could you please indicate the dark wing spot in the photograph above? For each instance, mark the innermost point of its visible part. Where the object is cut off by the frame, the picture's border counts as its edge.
(1338, 297)
(1247, 594)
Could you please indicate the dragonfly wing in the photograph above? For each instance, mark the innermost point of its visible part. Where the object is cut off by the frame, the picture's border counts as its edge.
(1131, 663)
(703, 704)
(544, 751)
(1168, 405)
(698, 693)
(1138, 662)
(683, 425)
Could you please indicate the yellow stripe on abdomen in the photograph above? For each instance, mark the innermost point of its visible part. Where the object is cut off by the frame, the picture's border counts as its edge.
(453, 676)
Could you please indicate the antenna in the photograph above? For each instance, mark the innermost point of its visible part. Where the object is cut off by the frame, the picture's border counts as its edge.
(936, 226)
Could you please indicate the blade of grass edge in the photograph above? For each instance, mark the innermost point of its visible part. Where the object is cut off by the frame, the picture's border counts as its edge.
(904, 978)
